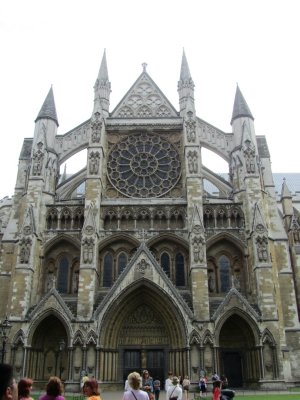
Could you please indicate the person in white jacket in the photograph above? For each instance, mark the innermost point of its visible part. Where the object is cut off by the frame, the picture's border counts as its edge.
(174, 391)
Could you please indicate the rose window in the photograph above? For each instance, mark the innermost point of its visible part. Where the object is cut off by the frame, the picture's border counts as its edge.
(143, 165)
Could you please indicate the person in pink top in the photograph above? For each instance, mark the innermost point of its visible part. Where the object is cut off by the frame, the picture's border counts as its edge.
(54, 390)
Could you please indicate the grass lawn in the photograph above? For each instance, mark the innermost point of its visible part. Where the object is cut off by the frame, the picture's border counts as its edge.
(295, 396)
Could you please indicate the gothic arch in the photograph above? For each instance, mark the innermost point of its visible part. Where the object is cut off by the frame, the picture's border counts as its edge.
(194, 338)
(149, 294)
(226, 236)
(61, 316)
(57, 239)
(49, 337)
(168, 236)
(237, 338)
(118, 237)
(244, 316)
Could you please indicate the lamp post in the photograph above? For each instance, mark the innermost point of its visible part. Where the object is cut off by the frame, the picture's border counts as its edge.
(62, 346)
(5, 327)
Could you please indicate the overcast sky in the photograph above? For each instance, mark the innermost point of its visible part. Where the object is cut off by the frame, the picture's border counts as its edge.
(253, 43)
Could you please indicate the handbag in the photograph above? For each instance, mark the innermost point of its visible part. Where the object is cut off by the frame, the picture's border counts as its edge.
(173, 398)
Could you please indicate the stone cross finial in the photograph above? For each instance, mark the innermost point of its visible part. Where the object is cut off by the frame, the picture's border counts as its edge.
(144, 65)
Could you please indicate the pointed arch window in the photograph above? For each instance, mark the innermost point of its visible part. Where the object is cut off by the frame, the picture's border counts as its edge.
(179, 270)
(63, 275)
(165, 263)
(122, 262)
(107, 270)
(224, 265)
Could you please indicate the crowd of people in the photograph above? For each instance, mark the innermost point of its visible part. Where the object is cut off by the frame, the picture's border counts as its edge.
(137, 387)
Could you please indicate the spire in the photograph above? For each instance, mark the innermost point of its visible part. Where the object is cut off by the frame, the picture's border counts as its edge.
(285, 192)
(240, 107)
(48, 109)
(185, 87)
(185, 74)
(102, 88)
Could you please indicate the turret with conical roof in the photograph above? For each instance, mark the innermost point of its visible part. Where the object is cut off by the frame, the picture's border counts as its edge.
(102, 89)
(48, 110)
(185, 87)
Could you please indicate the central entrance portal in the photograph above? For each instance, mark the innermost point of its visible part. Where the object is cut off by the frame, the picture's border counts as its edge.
(138, 360)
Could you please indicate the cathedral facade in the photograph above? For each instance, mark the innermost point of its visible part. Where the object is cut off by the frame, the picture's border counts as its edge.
(147, 269)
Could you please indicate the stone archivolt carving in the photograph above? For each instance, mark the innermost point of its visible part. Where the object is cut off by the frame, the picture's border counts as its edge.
(142, 266)
(143, 165)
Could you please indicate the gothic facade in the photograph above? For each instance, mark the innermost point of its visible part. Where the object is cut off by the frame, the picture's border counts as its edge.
(146, 269)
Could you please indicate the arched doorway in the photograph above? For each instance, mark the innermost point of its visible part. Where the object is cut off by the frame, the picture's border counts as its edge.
(48, 353)
(143, 329)
(238, 355)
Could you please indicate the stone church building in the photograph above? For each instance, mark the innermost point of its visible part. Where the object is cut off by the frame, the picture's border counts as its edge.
(143, 267)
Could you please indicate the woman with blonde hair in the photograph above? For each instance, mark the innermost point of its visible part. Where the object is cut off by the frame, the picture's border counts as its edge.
(134, 392)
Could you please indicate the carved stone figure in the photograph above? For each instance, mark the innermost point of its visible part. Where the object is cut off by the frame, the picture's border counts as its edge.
(38, 158)
(211, 283)
(190, 126)
(96, 126)
(193, 162)
(94, 163)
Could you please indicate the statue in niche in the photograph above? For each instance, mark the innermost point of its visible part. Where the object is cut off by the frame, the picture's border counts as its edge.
(236, 281)
(94, 163)
(198, 249)
(193, 162)
(249, 154)
(25, 251)
(50, 281)
(211, 283)
(38, 158)
(262, 250)
(75, 281)
(96, 126)
(190, 126)
(88, 250)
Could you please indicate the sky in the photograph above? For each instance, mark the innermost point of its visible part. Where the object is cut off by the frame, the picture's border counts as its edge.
(254, 43)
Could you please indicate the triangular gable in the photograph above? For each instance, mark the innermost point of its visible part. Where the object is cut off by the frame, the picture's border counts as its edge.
(235, 299)
(144, 100)
(258, 224)
(143, 267)
(52, 300)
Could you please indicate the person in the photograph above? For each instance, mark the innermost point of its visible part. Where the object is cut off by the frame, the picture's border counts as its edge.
(147, 384)
(186, 386)
(174, 391)
(216, 389)
(54, 390)
(203, 386)
(156, 386)
(91, 389)
(224, 381)
(126, 386)
(134, 391)
(8, 386)
(83, 380)
(168, 382)
(24, 389)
